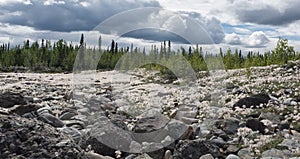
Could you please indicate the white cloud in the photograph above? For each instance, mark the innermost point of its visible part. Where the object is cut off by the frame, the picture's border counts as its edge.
(233, 39)
(51, 2)
(257, 39)
(27, 2)
(85, 4)
(5, 2)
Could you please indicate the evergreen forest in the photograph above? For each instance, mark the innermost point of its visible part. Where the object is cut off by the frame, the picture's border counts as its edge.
(60, 56)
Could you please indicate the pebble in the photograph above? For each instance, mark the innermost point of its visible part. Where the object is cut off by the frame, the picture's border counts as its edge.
(231, 156)
(207, 156)
(168, 154)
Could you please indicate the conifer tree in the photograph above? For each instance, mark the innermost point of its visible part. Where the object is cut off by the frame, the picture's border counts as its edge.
(81, 40)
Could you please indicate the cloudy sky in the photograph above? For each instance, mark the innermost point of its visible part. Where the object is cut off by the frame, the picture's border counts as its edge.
(244, 24)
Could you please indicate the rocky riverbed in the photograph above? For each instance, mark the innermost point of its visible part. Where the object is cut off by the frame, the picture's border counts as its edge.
(138, 114)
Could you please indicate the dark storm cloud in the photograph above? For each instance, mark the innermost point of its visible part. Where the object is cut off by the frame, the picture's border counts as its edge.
(156, 35)
(67, 16)
(270, 15)
(211, 25)
(148, 23)
(75, 15)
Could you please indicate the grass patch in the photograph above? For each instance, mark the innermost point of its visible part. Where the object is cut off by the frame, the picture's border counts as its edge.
(273, 144)
(296, 126)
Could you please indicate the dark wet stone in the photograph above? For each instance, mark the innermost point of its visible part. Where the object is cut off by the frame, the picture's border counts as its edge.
(219, 142)
(106, 138)
(8, 100)
(254, 100)
(255, 125)
(23, 109)
(254, 115)
(68, 114)
(194, 149)
(154, 150)
(283, 126)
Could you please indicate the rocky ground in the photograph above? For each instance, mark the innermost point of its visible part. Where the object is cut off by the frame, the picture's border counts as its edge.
(138, 114)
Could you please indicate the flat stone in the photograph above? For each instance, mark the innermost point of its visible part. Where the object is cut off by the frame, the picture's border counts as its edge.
(229, 126)
(106, 138)
(270, 116)
(275, 153)
(150, 123)
(23, 109)
(52, 120)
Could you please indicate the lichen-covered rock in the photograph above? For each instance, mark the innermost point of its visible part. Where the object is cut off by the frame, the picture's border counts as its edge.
(29, 138)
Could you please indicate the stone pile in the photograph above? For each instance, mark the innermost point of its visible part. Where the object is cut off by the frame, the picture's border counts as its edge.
(138, 115)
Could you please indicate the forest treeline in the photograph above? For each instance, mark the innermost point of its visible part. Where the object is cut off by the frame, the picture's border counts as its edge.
(60, 56)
